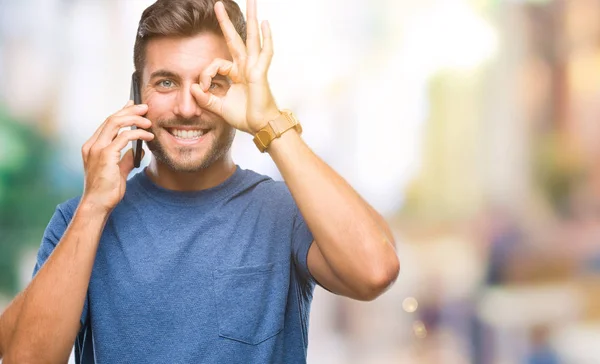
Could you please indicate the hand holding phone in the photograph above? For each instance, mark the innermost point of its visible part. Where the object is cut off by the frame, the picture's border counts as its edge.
(106, 170)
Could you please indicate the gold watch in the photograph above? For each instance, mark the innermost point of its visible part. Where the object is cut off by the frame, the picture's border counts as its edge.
(275, 128)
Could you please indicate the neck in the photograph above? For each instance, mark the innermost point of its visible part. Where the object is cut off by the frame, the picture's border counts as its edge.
(205, 178)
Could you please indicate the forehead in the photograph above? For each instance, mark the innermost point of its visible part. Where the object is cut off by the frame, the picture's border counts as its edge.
(186, 56)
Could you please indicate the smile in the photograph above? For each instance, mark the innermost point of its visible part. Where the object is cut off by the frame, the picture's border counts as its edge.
(187, 136)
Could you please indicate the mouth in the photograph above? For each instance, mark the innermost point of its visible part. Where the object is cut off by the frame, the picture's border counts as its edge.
(187, 135)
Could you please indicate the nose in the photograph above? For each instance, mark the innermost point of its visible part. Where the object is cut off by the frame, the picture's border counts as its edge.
(186, 106)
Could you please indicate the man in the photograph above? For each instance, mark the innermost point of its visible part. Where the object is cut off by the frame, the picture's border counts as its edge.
(195, 260)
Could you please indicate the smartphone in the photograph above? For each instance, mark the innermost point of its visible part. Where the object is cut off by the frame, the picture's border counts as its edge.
(136, 96)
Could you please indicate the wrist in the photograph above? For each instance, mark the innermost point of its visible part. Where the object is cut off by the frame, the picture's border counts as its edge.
(89, 206)
(276, 128)
(282, 144)
(272, 115)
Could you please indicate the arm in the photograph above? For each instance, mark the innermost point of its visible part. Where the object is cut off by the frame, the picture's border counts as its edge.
(8, 320)
(353, 253)
(45, 317)
(42, 323)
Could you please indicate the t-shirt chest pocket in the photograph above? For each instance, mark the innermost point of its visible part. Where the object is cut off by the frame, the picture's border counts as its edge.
(251, 301)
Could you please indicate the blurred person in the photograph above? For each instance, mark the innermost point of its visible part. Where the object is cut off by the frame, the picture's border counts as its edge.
(542, 351)
(195, 259)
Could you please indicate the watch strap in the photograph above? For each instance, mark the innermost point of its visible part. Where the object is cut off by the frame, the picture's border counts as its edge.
(275, 128)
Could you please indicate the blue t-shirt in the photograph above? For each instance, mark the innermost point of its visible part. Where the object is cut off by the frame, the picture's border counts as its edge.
(212, 276)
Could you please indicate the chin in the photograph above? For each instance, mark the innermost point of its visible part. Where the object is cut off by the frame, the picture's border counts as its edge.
(191, 167)
(188, 160)
(187, 164)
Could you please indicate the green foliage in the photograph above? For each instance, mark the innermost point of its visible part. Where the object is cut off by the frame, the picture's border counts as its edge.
(27, 195)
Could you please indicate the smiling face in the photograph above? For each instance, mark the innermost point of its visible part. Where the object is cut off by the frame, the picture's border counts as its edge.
(187, 137)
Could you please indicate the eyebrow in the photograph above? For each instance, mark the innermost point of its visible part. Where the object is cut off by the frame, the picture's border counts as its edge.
(163, 73)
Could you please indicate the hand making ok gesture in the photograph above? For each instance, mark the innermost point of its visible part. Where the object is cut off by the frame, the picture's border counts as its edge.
(248, 104)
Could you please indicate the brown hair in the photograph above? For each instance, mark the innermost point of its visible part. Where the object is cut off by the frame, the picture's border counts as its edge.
(183, 18)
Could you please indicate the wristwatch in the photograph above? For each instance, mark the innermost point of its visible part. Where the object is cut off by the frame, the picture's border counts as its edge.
(275, 128)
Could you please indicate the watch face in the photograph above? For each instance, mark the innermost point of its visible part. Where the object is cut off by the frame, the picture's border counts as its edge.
(262, 139)
(259, 145)
(265, 137)
(275, 128)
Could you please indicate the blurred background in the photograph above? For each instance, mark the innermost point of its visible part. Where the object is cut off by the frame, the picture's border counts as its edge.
(471, 125)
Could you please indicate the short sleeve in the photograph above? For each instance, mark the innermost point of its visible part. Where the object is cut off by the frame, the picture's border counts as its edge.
(302, 239)
(54, 232)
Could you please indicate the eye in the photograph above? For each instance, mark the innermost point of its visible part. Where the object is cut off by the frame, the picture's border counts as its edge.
(213, 86)
(165, 83)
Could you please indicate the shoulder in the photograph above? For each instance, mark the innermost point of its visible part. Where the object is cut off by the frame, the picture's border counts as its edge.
(264, 184)
(60, 220)
(269, 191)
(68, 207)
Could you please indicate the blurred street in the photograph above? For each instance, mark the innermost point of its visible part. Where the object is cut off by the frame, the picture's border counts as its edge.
(471, 125)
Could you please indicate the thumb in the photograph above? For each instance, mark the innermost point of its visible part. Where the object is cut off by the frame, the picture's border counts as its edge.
(207, 100)
(126, 163)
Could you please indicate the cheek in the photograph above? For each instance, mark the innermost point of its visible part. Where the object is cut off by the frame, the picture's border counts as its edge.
(159, 106)
(221, 126)
(224, 131)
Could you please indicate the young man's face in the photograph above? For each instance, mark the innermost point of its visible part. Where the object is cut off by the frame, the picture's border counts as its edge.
(187, 137)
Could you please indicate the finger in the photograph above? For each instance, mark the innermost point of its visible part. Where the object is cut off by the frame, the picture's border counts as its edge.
(129, 108)
(234, 41)
(126, 164)
(252, 36)
(115, 123)
(266, 54)
(142, 108)
(207, 100)
(127, 136)
(218, 66)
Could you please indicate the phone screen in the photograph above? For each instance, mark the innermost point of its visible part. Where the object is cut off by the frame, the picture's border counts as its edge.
(136, 96)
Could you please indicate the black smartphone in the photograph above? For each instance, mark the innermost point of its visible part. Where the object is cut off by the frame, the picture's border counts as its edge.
(136, 96)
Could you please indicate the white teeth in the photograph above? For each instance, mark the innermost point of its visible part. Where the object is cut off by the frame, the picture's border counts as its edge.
(187, 134)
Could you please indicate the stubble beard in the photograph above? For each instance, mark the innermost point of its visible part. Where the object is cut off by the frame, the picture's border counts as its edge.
(184, 161)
